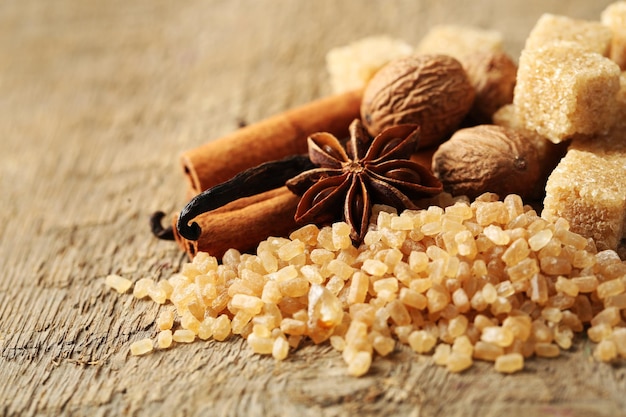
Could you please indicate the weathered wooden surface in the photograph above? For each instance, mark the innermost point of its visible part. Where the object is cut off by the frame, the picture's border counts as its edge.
(97, 99)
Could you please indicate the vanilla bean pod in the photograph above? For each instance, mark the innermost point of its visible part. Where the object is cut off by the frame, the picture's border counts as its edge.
(163, 233)
(264, 177)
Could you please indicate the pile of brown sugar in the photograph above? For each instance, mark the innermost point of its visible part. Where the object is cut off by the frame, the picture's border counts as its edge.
(490, 280)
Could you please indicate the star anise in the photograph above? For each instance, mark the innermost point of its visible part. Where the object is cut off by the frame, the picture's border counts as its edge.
(366, 172)
(335, 183)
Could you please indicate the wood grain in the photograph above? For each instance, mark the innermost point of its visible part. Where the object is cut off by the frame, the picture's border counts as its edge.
(97, 101)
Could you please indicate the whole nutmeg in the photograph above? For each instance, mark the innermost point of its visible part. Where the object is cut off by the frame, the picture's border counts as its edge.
(430, 90)
(493, 75)
(488, 158)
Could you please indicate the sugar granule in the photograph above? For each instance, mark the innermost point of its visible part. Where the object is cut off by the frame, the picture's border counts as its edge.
(527, 286)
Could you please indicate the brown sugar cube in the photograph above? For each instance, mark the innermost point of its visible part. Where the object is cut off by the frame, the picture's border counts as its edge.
(588, 189)
(493, 75)
(614, 17)
(490, 70)
(593, 36)
(506, 116)
(563, 90)
(351, 66)
(459, 41)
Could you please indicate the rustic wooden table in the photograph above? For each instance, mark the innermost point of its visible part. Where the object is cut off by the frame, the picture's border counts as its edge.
(97, 100)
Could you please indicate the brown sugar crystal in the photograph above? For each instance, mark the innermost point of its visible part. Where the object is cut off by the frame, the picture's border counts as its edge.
(563, 90)
(493, 75)
(488, 280)
(588, 189)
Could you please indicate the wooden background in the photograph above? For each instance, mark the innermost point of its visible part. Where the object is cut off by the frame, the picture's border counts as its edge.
(97, 100)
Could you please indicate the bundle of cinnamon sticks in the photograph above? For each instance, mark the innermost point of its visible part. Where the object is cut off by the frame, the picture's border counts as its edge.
(245, 222)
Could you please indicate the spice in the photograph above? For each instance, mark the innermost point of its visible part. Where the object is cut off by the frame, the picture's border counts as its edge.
(230, 220)
(367, 172)
(489, 158)
(271, 139)
(163, 233)
(430, 90)
(218, 161)
(243, 223)
(256, 180)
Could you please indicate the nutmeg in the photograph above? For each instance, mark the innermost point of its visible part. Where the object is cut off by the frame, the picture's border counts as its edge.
(493, 75)
(488, 158)
(430, 90)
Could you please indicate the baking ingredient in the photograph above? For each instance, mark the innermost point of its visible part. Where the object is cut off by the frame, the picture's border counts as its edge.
(242, 224)
(274, 138)
(614, 16)
(587, 188)
(490, 280)
(351, 66)
(488, 158)
(253, 181)
(592, 36)
(183, 336)
(459, 41)
(118, 283)
(141, 347)
(563, 90)
(432, 91)
(367, 172)
(165, 339)
(493, 75)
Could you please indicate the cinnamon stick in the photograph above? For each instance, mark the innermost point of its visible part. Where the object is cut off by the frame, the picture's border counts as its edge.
(242, 224)
(273, 138)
